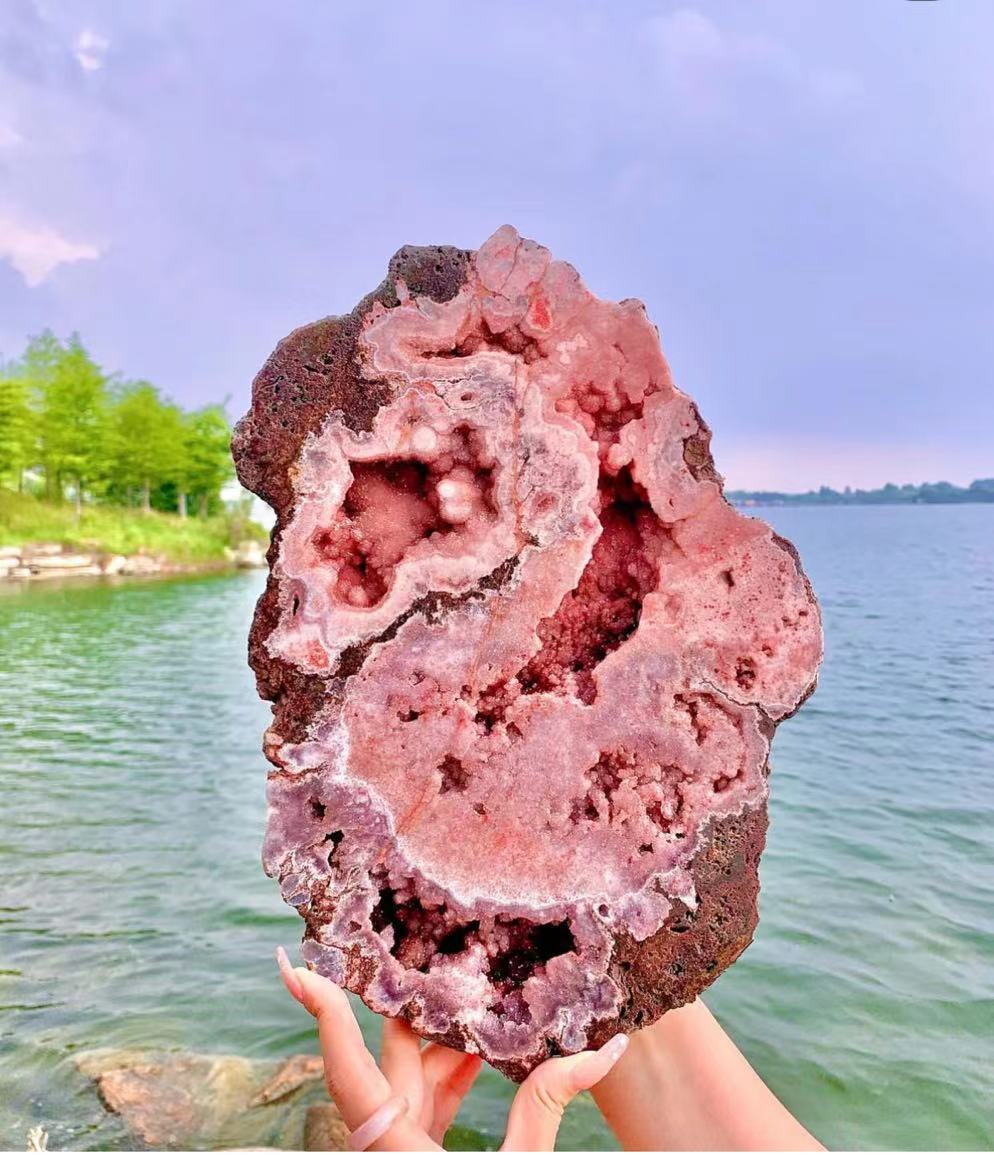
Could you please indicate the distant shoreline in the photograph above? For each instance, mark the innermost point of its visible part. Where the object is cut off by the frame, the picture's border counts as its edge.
(794, 504)
(979, 492)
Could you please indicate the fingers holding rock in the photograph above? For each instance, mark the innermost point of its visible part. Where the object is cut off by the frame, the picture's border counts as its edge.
(538, 1106)
(448, 1077)
(373, 1112)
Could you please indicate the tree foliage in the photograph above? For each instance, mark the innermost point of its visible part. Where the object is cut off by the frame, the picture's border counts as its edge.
(16, 423)
(77, 430)
(72, 407)
(207, 436)
(146, 440)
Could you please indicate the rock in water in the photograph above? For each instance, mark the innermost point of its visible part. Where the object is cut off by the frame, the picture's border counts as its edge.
(525, 660)
(191, 1101)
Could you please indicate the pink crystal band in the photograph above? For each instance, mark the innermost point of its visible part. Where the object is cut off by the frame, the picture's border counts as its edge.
(378, 1124)
(586, 706)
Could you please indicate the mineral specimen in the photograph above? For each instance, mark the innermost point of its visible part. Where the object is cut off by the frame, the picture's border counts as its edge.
(525, 660)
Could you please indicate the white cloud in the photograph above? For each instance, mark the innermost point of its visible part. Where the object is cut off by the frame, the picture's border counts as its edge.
(707, 66)
(9, 137)
(688, 33)
(37, 251)
(89, 50)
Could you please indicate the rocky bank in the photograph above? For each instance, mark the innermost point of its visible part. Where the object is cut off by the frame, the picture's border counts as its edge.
(47, 560)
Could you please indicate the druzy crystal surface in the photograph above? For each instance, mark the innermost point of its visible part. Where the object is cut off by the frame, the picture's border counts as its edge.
(526, 661)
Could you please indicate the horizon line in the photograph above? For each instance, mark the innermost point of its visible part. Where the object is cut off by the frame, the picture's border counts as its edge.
(852, 489)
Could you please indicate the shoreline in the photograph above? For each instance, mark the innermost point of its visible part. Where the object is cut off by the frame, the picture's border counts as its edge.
(740, 504)
(46, 561)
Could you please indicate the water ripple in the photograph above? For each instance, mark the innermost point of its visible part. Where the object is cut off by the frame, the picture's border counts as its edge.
(134, 913)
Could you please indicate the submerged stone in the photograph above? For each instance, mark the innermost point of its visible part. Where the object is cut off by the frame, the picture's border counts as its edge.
(190, 1101)
(526, 661)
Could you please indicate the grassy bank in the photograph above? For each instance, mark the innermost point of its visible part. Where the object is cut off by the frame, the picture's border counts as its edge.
(109, 529)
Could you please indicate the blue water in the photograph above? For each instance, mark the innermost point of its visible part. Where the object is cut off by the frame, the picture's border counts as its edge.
(133, 911)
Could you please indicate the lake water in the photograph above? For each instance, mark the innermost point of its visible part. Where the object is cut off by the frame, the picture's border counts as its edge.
(133, 911)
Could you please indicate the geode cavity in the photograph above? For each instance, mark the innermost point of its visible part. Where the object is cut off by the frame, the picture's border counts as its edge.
(525, 660)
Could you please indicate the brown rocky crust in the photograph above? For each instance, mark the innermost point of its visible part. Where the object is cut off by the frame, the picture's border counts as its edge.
(322, 372)
(314, 372)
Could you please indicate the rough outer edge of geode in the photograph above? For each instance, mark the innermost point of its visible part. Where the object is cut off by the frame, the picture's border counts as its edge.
(313, 373)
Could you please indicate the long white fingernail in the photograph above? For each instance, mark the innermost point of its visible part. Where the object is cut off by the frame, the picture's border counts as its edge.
(290, 976)
(593, 1067)
(614, 1048)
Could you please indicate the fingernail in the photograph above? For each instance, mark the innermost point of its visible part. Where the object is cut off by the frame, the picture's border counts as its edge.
(614, 1048)
(290, 976)
(596, 1064)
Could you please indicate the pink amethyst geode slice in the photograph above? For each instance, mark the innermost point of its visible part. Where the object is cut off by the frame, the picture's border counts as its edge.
(525, 660)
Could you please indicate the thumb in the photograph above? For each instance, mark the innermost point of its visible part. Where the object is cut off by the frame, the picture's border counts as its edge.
(538, 1106)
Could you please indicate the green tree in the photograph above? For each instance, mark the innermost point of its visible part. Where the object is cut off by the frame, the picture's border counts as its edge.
(208, 456)
(124, 442)
(39, 366)
(17, 425)
(71, 398)
(146, 443)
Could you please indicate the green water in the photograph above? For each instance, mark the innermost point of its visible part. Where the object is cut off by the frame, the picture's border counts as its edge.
(133, 911)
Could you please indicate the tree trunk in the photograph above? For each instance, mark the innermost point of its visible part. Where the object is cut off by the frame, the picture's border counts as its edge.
(79, 498)
(181, 505)
(146, 497)
(203, 505)
(20, 481)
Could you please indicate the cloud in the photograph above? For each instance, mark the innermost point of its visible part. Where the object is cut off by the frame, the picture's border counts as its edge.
(688, 33)
(9, 137)
(706, 66)
(37, 251)
(90, 49)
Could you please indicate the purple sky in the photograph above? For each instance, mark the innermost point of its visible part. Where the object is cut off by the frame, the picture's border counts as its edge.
(802, 193)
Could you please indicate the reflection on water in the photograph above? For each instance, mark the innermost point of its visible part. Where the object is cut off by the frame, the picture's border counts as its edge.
(133, 911)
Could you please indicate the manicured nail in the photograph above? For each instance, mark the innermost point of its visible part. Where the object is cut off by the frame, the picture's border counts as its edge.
(290, 976)
(614, 1048)
(596, 1064)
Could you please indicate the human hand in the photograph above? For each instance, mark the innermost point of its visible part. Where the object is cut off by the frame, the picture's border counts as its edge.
(409, 1104)
(685, 1086)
